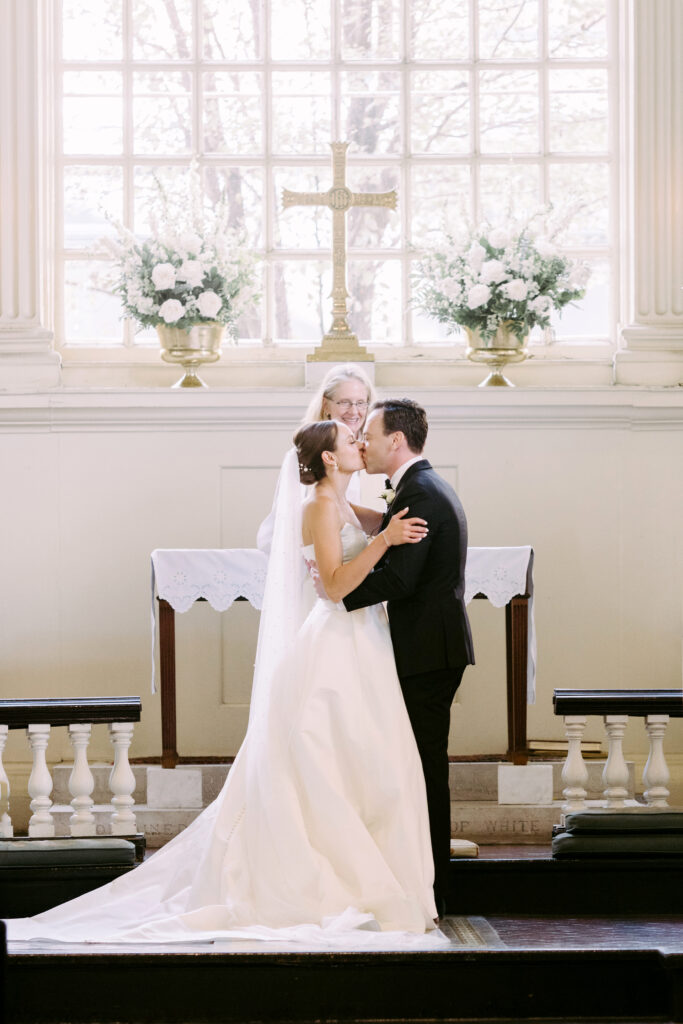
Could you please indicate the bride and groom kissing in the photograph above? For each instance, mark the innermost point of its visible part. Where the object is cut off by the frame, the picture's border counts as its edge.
(423, 586)
(335, 815)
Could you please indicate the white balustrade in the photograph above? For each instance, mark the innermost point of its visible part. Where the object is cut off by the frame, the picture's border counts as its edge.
(82, 821)
(6, 830)
(41, 824)
(122, 780)
(615, 773)
(656, 773)
(81, 783)
(574, 772)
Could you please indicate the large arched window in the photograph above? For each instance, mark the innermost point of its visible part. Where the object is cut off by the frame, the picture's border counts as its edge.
(467, 107)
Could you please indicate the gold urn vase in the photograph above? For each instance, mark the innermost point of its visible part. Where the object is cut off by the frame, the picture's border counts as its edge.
(495, 352)
(190, 347)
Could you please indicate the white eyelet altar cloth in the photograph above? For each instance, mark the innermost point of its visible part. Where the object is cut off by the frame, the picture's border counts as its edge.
(182, 576)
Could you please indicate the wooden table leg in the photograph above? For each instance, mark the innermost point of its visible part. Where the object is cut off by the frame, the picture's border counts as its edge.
(516, 647)
(169, 754)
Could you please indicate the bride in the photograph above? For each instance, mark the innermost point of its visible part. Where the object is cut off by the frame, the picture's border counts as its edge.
(321, 829)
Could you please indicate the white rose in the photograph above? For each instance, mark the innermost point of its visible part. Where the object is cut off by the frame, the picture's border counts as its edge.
(171, 311)
(475, 255)
(190, 241)
(163, 276)
(516, 289)
(192, 272)
(209, 303)
(144, 304)
(499, 238)
(541, 305)
(492, 272)
(451, 289)
(478, 295)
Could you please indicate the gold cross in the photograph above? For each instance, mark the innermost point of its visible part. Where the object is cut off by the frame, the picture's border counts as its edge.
(339, 344)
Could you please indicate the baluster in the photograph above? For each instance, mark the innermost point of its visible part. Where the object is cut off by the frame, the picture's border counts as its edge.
(81, 783)
(615, 773)
(6, 830)
(656, 773)
(122, 781)
(574, 772)
(40, 783)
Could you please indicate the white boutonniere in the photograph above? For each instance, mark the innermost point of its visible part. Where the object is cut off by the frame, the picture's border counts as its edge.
(389, 494)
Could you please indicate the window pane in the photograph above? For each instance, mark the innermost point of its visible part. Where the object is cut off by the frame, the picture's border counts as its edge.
(301, 300)
(232, 31)
(91, 313)
(300, 30)
(92, 112)
(302, 227)
(88, 192)
(147, 182)
(577, 28)
(375, 304)
(233, 121)
(370, 110)
(440, 120)
(508, 29)
(589, 318)
(583, 188)
(91, 30)
(242, 188)
(433, 22)
(370, 28)
(162, 29)
(440, 203)
(162, 112)
(250, 324)
(509, 111)
(578, 111)
(302, 112)
(509, 192)
(373, 227)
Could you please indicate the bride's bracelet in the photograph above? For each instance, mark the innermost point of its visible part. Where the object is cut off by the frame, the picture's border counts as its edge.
(383, 534)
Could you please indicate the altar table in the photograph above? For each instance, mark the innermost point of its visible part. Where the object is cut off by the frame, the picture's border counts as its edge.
(181, 576)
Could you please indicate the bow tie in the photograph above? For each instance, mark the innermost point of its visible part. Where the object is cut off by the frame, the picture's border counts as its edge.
(387, 484)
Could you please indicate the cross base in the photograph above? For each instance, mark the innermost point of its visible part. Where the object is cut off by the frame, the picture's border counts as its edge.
(340, 348)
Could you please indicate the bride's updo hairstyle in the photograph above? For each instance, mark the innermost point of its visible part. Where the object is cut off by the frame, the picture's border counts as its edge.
(310, 442)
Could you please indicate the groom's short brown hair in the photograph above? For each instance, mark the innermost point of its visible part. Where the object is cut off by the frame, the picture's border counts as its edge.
(407, 416)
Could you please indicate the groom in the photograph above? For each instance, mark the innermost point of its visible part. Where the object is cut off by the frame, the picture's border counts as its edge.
(424, 585)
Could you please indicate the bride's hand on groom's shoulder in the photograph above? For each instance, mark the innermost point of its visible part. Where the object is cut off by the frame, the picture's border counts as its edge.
(405, 530)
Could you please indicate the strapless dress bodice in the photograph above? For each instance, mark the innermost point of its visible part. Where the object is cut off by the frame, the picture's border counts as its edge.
(353, 541)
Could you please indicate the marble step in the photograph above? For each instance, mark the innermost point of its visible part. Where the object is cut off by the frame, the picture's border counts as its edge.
(469, 781)
(158, 826)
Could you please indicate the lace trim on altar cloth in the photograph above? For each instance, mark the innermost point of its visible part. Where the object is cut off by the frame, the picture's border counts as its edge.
(183, 575)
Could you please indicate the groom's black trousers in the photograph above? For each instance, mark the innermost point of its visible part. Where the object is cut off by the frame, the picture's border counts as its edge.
(428, 698)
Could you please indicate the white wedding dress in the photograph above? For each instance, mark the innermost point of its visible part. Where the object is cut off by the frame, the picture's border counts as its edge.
(321, 829)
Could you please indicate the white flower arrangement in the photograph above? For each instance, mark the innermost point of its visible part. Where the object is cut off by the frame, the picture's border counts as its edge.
(494, 276)
(192, 272)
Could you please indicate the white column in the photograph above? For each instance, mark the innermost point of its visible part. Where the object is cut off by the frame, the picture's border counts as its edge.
(615, 772)
(122, 781)
(6, 830)
(27, 360)
(41, 823)
(81, 783)
(652, 337)
(656, 773)
(574, 771)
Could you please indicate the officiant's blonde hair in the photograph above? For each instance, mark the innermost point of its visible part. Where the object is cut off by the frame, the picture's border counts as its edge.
(331, 381)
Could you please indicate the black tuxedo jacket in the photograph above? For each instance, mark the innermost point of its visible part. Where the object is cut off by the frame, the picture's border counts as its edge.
(424, 583)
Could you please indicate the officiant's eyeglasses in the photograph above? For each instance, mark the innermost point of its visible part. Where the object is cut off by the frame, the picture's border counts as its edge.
(346, 404)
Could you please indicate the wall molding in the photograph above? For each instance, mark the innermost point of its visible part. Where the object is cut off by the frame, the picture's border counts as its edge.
(239, 409)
